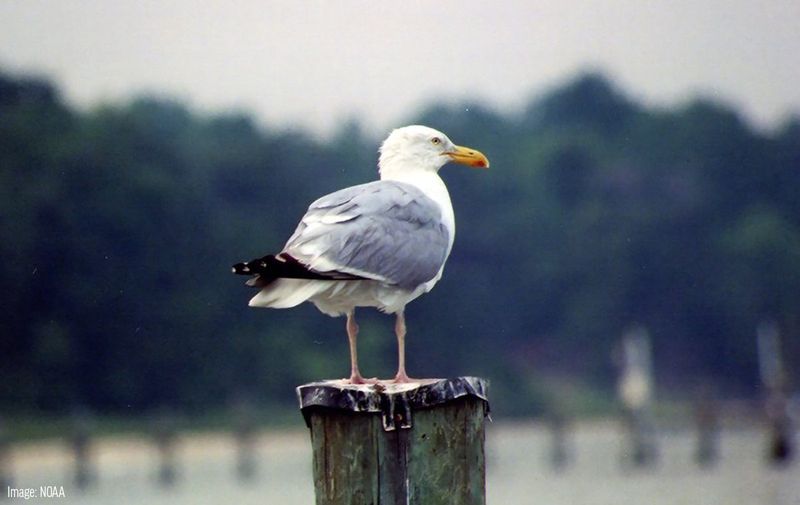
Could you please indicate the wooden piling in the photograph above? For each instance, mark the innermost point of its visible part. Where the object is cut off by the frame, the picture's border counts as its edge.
(165, 434)
(773, 376)
(5, 459)
(635, 391)
(80, 440)
(706, 416)
(560, 453)
(245, 434)
(387, 444)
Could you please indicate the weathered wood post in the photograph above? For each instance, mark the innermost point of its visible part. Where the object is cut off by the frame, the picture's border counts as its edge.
(418, 444)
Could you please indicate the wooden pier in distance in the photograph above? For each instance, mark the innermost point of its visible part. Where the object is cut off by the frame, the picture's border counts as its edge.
(420, 443)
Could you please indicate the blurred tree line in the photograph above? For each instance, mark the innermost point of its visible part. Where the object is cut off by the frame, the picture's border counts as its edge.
(118, 226)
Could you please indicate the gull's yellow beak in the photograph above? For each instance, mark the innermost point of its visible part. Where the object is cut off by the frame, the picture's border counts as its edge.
(469, 156)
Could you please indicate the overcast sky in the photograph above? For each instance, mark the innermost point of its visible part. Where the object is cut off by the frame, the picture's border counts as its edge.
(314, 63)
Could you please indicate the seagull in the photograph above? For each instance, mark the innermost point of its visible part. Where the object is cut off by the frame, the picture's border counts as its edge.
(380, 244)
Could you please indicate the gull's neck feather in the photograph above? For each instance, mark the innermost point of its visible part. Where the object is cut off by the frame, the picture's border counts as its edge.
(392, 163)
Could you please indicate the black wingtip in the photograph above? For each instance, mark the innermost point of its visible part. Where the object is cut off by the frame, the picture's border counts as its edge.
(271, 267)
(241, 269)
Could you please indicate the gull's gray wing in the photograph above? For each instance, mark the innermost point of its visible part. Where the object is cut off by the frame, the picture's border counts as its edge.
(384, 230)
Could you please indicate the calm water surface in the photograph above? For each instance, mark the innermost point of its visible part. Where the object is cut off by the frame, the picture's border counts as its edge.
(519, 471)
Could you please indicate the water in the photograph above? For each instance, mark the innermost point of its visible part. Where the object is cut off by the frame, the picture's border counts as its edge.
(519, 471)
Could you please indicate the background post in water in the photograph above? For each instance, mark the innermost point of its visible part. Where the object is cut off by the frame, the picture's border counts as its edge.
(635, 392)
(5, 459)
(780, 449)
(80, 439)
(165, 436)
(245, 433)
(560, 446)
(706, 416)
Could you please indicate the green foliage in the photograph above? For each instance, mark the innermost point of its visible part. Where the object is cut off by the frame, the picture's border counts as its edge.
(118, 226)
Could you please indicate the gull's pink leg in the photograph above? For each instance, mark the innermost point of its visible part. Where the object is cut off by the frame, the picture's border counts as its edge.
(400, 331)
(352, 335)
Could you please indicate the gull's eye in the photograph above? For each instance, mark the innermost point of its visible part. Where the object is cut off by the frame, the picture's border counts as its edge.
(436, 141)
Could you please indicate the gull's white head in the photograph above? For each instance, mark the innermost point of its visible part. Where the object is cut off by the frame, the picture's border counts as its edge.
(420, 148)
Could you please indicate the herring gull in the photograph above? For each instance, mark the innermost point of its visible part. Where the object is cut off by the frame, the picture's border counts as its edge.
(379, 244)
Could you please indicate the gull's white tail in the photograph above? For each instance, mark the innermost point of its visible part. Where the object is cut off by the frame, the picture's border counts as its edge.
(285, 293)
